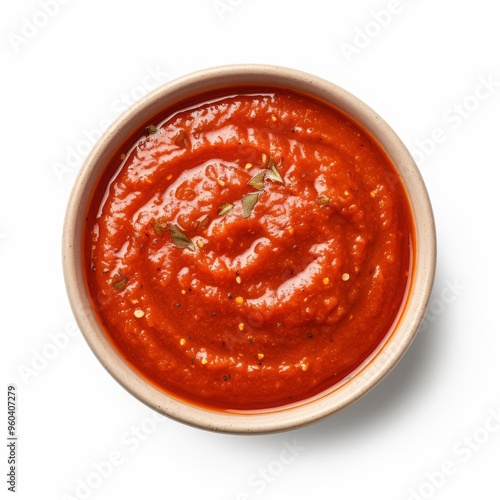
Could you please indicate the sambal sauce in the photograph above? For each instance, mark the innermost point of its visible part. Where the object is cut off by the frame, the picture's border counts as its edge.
(250, 250)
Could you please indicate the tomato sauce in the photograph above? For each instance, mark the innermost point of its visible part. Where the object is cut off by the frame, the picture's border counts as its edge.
(249, 250)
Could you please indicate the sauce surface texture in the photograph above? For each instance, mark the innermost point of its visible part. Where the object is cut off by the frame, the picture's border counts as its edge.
(250, 250)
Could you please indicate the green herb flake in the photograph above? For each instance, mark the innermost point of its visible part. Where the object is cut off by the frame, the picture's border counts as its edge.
(159, 226)
(151, 129)
(225, 208)
(249, 200)
(272, 172)
(179, 238)
(120, 285)
(258, 180)
(322, 200)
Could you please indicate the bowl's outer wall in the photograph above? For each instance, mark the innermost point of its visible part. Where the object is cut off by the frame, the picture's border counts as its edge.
(138, 116)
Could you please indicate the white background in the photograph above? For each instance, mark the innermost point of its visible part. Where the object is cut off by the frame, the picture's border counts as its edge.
(68, 74)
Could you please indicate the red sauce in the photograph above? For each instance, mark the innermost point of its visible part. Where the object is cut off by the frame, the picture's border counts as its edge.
(237, 295)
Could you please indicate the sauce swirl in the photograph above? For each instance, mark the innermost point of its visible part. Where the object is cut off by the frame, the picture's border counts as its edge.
(251, 250)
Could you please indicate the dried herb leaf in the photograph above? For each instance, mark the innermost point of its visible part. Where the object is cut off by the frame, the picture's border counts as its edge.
(322, 200)
(179, 238)
(151, 129)
(249, 200)
(120, 285)
(225, 208)
(257, 181)
(272, 172)
(159, 226)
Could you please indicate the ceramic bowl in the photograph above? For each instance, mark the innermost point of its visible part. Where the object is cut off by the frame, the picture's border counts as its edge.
(364, 378)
